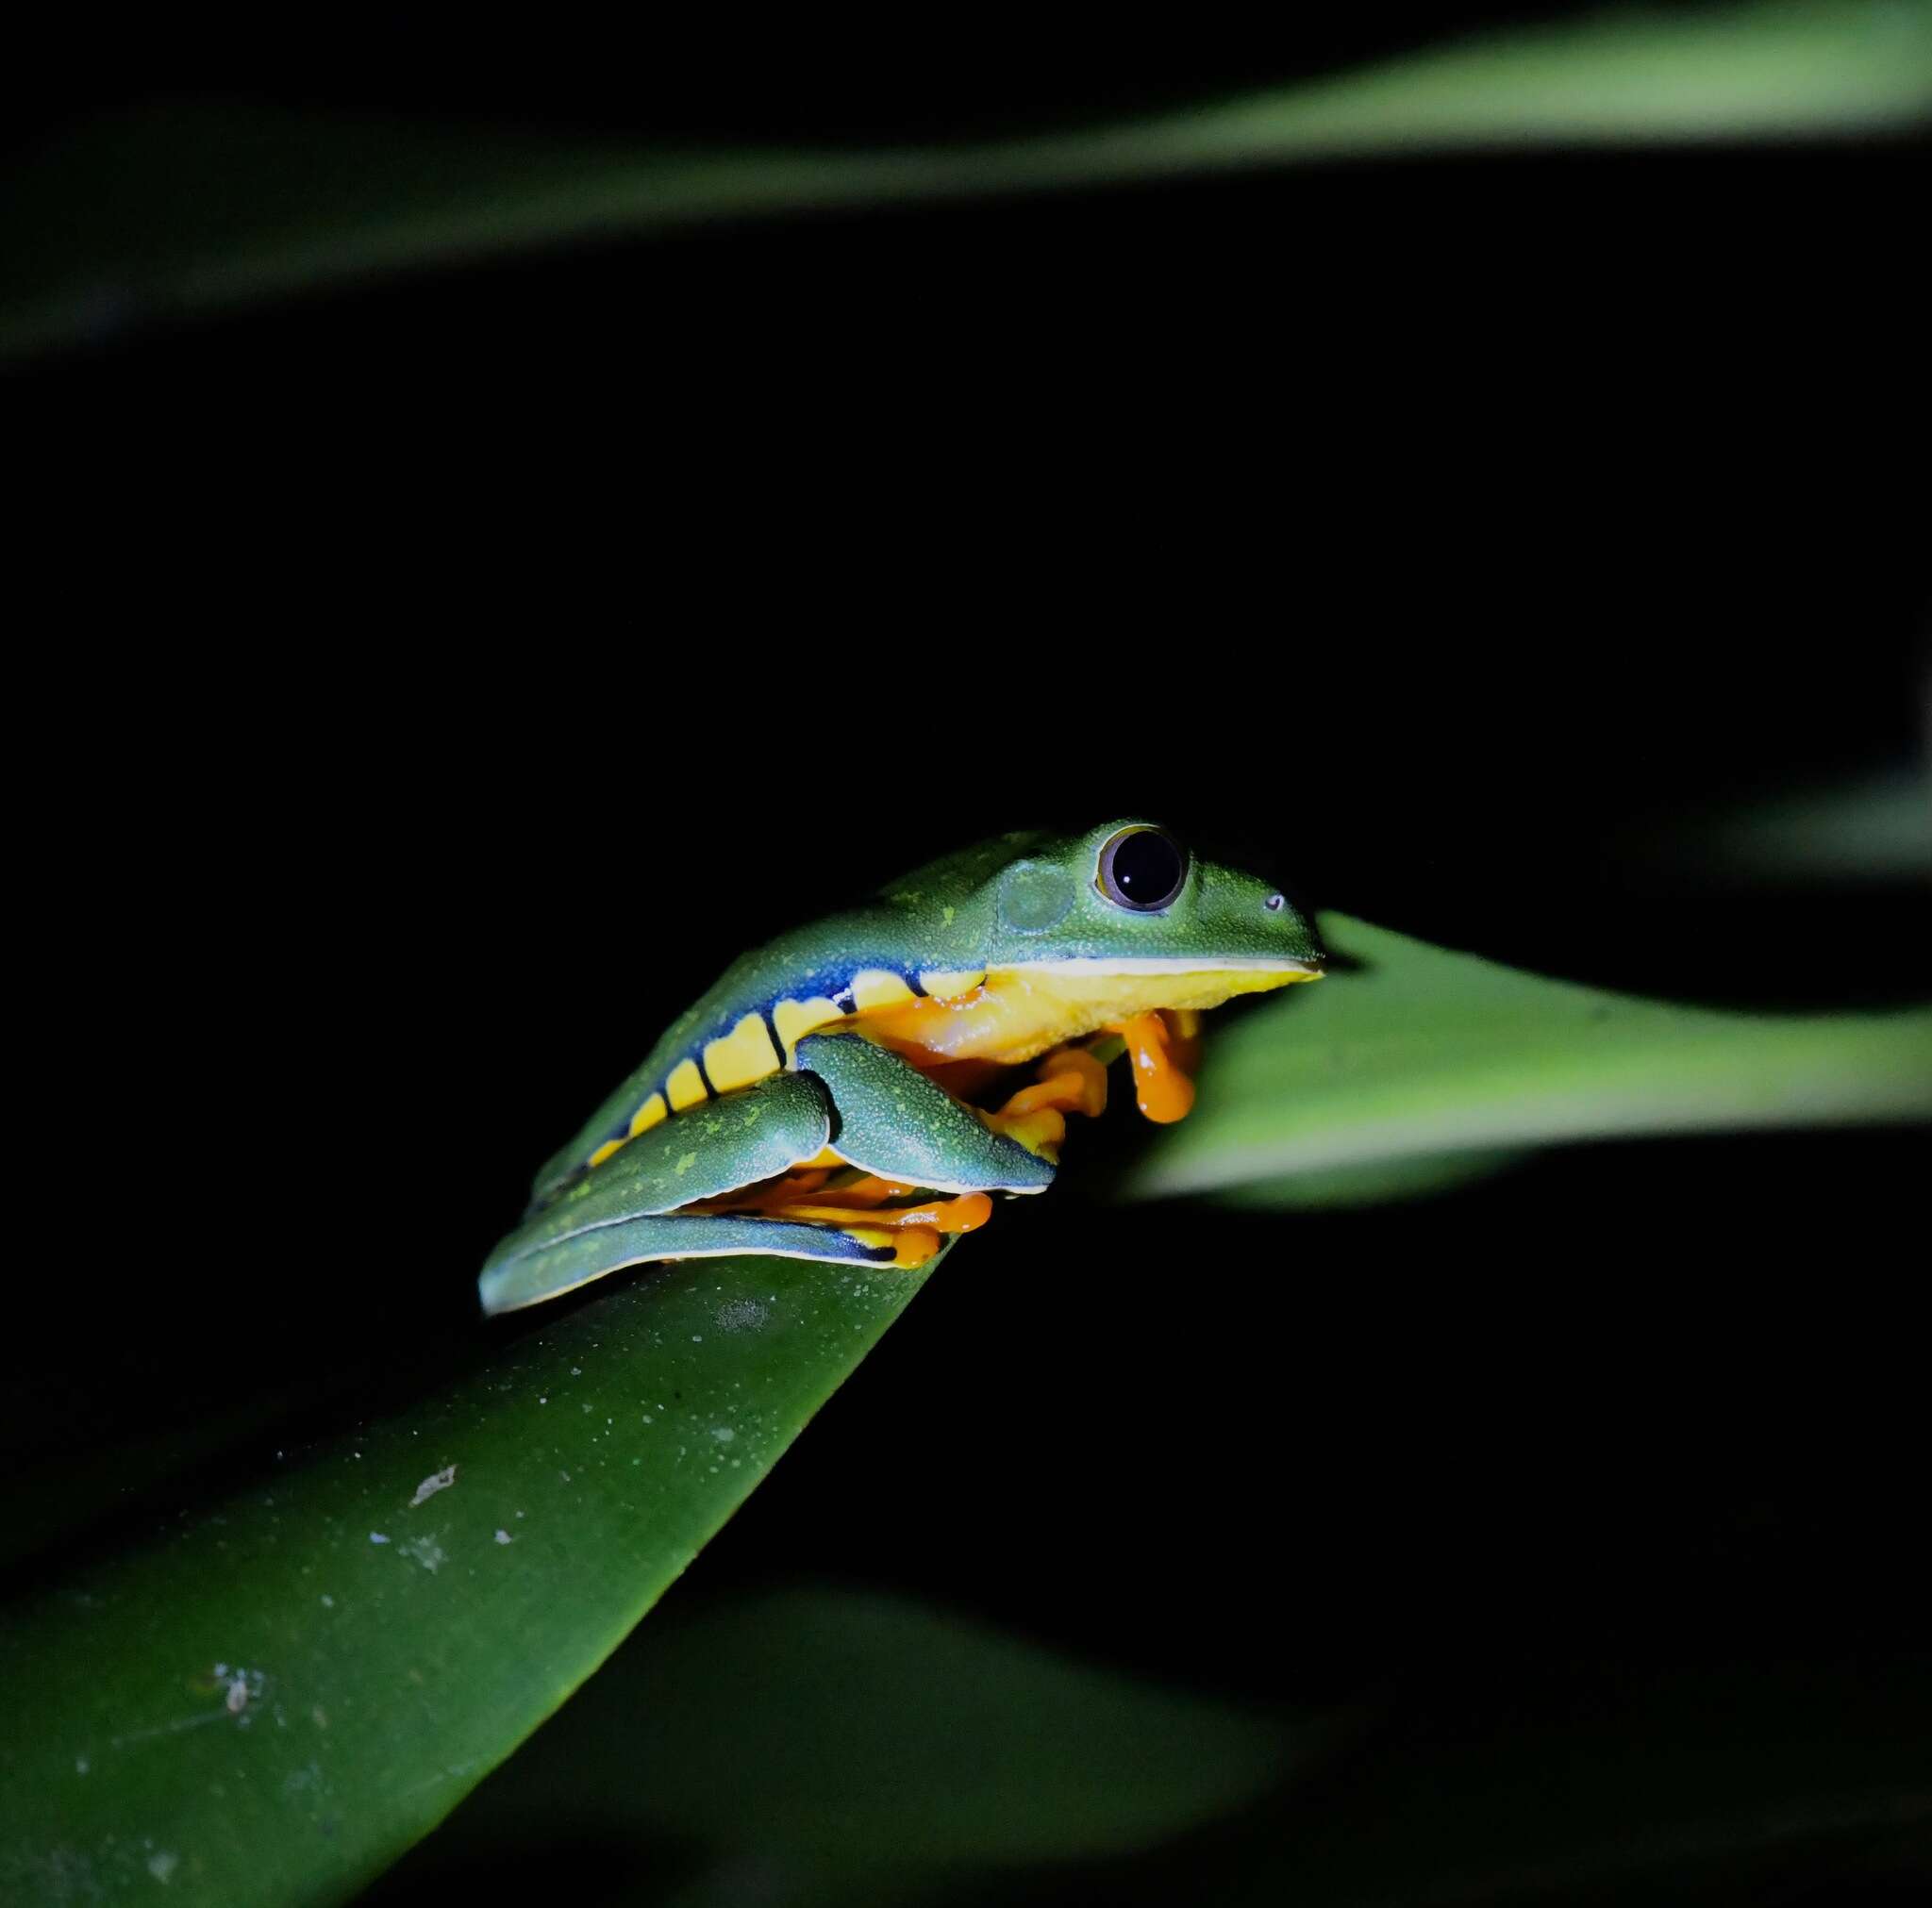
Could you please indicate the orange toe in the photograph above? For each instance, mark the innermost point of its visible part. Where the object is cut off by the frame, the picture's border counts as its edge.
(1162, 1091)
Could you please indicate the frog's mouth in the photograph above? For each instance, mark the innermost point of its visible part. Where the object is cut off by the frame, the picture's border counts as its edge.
(1022, 1010)
(1290, 970)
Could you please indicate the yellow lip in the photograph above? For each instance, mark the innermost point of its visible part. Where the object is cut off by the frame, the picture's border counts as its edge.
(1019, 1012)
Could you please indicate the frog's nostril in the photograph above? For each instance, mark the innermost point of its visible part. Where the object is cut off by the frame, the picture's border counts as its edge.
(1276, 903)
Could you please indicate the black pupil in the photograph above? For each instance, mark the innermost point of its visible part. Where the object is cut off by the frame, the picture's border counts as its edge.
(1147, 869)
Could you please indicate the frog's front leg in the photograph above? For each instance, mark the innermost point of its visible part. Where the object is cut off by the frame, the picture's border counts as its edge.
(890, 1121)
(627, 1211)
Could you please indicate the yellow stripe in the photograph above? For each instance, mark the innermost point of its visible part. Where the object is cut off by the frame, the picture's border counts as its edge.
(879, 987)
(794, 1019)
(743, 1054)
(947, 984)
(648, 1115)
(686, 1085)
(604, 1151)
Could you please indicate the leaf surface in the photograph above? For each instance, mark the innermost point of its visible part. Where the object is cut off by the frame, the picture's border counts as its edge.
(266, 1700)
(1423, 1052)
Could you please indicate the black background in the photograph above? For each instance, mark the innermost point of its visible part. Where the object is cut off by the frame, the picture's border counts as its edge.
(450, 676)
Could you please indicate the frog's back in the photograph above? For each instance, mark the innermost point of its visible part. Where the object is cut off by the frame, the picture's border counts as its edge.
(919, 938)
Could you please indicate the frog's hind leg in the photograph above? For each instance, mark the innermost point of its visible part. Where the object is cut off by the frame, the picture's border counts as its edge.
(890, 1121)
(714, 1148)
(550, 1271)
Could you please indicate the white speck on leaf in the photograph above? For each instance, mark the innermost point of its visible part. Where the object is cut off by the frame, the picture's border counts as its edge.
(503, 1537)
(307, 1780)
(436, 1481)
(237, 1698)
(722, 1433)
(329, 1603)
(428, 1552)
(377, 1537)
(80, 1764)
(161, 1865)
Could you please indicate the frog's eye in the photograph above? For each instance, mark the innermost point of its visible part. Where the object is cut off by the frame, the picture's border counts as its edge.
(1142, 868)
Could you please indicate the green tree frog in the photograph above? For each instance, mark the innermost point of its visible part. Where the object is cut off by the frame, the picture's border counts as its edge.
(843, 1093)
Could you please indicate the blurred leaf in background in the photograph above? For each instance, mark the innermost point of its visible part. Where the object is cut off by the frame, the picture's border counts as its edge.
(859, 1747)
(817, 1745)
(187, 207)
(1873, 831)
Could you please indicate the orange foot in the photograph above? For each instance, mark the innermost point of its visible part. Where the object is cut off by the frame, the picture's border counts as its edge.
(1069, 1080)
(1160, 1045)
(860, 1207)
(913, 1232)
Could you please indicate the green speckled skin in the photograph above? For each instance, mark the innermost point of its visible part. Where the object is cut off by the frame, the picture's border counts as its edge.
(1024, 900)
(517, 1281)
(895, 1122)
(714, 1148)
(1023, 897)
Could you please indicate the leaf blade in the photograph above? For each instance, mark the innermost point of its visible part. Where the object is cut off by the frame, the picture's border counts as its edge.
(274, 1697)
(1427, 1051)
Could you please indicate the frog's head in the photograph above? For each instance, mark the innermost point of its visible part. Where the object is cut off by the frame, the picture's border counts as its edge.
(1118, 929)
(1129, 899)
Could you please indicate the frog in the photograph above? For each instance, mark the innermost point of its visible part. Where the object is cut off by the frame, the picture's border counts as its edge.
(846, 1092)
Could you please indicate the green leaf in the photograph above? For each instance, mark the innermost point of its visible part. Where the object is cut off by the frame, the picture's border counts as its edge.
(840, 1733)
(267, 1699)
(191, 208)
(1877, 830)
(1423, 1052)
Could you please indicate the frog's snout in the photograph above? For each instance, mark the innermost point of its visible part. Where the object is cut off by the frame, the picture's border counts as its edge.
(1309, 955)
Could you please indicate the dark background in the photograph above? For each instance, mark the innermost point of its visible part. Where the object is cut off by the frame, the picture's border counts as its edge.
(450, 676)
